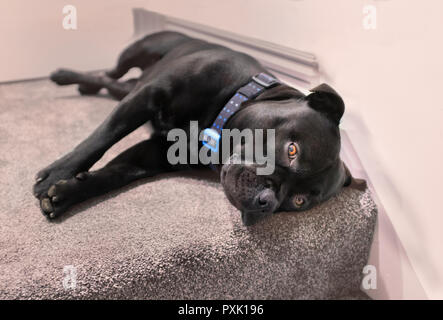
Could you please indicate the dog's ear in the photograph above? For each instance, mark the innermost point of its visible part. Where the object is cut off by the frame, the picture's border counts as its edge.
(324, 99)
(352, 182)
(280, 92)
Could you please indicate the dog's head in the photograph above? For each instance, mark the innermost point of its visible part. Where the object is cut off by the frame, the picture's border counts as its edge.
(308, 169)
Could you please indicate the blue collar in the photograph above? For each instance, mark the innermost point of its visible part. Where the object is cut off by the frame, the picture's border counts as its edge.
(258, 84)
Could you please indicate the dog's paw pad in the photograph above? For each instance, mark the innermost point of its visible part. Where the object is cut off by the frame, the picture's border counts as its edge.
(46, 205)
(62, 195)
(47, 208)
(52, 191)
(56, 190)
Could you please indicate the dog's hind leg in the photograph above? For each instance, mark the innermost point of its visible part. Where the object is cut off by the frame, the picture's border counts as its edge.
(123, 89)
(88, 83)
(134, 110)
(132, 57)
(142, 54)
(146, 51)
(145, 159)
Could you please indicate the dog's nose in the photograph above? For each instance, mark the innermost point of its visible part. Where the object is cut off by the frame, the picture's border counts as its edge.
(264, 203)
(265, 198)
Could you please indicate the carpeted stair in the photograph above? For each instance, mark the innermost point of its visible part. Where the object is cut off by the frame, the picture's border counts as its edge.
(168, 237)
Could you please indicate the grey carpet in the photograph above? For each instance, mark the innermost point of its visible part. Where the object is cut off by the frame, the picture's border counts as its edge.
(167, 237)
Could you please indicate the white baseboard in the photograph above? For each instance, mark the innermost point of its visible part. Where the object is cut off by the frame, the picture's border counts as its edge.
(289, 65)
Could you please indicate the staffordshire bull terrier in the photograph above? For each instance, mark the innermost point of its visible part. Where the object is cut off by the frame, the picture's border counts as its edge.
(185, 79)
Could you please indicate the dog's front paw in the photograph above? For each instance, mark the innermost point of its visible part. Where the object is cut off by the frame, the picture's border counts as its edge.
(64, 77)
(62, 195)
(61, 169)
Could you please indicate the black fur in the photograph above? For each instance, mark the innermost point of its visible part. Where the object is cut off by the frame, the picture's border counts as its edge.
(186, 79)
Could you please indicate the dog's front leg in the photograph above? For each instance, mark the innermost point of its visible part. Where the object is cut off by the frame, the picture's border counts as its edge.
(145, 159)
(133, 111)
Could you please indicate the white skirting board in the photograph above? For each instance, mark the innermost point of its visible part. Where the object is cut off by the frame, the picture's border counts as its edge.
(287, 64)
(396, 278)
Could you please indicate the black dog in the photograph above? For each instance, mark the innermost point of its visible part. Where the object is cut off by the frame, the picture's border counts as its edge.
(188, 79)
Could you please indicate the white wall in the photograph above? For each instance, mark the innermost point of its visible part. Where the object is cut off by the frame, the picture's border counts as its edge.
(390, 78)
(35, 43)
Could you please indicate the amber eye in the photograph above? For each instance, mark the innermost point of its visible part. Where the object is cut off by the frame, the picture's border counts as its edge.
(299, 201)
(292, 150)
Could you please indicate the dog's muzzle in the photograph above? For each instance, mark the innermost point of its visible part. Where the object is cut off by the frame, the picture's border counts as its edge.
(248, 192)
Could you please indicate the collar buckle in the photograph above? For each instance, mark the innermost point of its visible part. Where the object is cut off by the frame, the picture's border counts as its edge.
(211, 139)
(265, 80)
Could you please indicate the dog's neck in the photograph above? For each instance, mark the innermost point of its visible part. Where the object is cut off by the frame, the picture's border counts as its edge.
(256, 86)
(279, 92)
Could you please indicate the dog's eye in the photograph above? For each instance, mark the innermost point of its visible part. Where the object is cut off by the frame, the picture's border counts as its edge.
(299, 201)
(292, 150)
